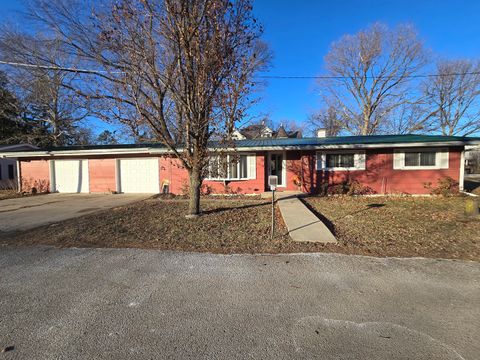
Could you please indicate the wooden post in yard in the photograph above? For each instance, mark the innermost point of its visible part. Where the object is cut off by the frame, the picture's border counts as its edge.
(273, 214)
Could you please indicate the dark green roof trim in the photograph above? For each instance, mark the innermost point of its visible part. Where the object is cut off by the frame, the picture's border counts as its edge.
(289, 143)
(355, 140)
(313, 141)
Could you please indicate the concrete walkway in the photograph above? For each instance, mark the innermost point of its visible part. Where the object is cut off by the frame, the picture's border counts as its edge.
(302, 224)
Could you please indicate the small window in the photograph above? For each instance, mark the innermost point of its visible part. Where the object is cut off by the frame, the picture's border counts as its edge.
(340, 160)
(11, 172)
(420, 158)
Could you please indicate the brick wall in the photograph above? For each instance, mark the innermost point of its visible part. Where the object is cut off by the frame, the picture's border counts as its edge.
(379, 174)
(35, 173)
(102, 175)
(301, 174)
(172, 171)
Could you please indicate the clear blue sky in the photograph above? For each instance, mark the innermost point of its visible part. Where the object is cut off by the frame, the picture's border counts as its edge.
(300, 32)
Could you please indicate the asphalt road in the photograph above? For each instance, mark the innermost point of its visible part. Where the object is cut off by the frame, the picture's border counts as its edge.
(135, 304)
(33, 211)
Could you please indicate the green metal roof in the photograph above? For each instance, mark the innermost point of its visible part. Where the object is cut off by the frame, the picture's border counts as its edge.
(355, 140)
(295, 142)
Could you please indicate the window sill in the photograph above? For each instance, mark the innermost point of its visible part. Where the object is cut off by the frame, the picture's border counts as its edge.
(227, 180)
(342, 169)
(419, 168)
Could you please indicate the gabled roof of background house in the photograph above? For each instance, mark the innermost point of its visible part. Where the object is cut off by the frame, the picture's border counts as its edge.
(261, 144)
(254, 131)
(258, 131)
(281, 133)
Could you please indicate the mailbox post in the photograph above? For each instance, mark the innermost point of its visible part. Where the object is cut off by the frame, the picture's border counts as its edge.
(273, 182)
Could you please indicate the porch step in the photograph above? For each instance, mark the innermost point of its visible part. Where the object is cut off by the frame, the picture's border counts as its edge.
(302, 224)
(280, 194)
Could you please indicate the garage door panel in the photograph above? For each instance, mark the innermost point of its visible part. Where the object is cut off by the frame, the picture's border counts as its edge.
(71, 176)
(139, 175)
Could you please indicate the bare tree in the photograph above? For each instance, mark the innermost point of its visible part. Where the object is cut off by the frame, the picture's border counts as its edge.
(51, 109)
(453, 95)
(329, 119)
(239, 92)
(170, 61)
(292, 126)
(370, 72)
(410, 117)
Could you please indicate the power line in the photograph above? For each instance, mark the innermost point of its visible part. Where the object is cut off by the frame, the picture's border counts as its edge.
(284, 77)
(59, 68)
(364, 77)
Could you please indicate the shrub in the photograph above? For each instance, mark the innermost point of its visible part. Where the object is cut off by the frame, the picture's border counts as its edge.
(228, 190)
(446, 186)
(185, 189)
(8, 185)
(347, 187)
(35, 186)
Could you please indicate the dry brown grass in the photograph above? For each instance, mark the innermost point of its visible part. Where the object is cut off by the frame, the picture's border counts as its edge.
(227, 226)
(9, 194)
(407, 226)
(430, 227)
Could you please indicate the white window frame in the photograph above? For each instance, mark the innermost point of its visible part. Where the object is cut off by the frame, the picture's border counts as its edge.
(399, 157)
(228, 178)
(359, 160)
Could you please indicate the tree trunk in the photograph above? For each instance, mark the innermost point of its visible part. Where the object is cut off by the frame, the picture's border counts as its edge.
(195, 187)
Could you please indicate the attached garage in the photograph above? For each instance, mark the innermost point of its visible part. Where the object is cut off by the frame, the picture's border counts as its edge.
(69, 176)
(139, 175)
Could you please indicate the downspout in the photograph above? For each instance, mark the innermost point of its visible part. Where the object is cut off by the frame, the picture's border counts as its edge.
(302, 181)
(52, 175)
(19, 177)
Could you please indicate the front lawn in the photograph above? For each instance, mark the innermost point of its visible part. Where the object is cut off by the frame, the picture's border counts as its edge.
(406, 226)
(429, 227)
(228, 226)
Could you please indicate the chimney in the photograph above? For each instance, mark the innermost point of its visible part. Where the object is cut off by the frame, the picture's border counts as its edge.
(322, 132)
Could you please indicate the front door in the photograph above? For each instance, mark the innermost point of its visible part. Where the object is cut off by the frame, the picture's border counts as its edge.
(276, 166)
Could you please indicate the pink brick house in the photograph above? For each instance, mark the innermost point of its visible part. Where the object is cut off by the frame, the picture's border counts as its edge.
(388, 164)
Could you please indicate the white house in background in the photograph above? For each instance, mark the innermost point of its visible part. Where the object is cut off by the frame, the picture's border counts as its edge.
(237, 135)
(9, 167)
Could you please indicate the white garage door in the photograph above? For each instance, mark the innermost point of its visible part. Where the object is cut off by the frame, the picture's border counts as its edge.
(70, 176)
(139, 175)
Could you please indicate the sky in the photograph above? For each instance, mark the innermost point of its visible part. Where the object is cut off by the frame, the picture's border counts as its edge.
(300, 33)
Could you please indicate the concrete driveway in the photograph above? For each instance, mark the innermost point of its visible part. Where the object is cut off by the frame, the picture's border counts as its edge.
(30, 212)
(136, 304)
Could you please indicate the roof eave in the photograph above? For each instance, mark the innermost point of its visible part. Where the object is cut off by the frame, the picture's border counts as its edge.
(353, 146)
(163, 151)
(92, 152)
